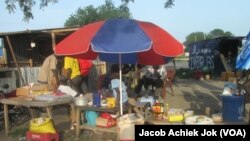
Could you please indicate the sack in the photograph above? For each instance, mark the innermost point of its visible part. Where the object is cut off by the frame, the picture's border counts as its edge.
(42, 125)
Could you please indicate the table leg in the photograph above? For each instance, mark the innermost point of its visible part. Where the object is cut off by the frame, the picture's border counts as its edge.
(78, 122)
(49, 111)
(73, 113)
(32, 112)
(6, 119)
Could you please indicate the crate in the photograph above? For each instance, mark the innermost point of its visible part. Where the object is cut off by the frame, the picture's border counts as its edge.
(30, 136)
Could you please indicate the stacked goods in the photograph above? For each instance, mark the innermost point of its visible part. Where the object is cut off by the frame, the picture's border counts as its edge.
(40, 89)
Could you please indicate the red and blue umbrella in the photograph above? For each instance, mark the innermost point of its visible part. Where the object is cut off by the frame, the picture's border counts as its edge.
(121, 41)
(136, 41)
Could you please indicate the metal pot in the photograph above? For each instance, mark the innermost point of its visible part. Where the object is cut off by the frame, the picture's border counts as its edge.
(81, 101)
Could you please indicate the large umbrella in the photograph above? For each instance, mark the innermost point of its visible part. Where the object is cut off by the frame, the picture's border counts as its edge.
(243, 59)
(121, 41)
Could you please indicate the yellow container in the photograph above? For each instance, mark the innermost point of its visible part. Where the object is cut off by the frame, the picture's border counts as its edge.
(42, 125)
(111, 102)
(176, 118)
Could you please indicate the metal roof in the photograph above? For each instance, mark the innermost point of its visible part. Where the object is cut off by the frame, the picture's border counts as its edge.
(41, 31)
(218, 39)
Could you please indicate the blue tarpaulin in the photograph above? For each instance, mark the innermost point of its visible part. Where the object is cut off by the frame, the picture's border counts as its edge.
(243, 59)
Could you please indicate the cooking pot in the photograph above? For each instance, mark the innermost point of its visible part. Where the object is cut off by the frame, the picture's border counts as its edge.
(81, 100)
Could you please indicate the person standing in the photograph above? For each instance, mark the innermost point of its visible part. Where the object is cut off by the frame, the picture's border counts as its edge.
(85, 67)
(48, 73)
(71, 65)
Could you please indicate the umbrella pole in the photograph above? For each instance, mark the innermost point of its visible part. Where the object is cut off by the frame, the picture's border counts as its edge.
(120, 89)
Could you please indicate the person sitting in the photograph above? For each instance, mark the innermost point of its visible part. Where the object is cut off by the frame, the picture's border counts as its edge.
(150, 78)
(115, 85)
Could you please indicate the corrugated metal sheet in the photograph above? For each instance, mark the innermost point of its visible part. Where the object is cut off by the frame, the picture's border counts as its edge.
(29, 75)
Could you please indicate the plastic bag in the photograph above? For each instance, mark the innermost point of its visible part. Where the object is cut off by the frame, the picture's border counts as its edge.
(42, 125)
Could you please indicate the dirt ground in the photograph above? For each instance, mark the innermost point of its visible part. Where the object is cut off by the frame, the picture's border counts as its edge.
(196, 95)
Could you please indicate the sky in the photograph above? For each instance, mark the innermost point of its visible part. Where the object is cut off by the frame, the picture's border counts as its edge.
(185, 17)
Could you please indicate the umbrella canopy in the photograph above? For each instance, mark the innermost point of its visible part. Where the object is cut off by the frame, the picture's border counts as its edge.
(243, 59)
(138, 42)
(121, 41)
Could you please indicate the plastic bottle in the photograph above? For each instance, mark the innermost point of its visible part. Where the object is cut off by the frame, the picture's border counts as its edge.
(157, 109)
(96, 99)
(166, 109)
(162, 108)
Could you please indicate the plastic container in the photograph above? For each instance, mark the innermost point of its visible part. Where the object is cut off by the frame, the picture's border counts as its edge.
(126, 125)
(233, 108)
(148, 99)
(30, 136)
(91, 117)
(81, 100)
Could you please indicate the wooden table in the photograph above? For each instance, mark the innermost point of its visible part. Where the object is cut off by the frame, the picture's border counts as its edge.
(162, 122)
(80, 126)
(28, 102)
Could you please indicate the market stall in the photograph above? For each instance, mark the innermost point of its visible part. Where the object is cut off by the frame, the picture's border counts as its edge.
(30, 102)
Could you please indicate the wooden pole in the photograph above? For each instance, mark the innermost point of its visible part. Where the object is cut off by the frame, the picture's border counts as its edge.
(174, 64)
(13, 55)
(53, 40)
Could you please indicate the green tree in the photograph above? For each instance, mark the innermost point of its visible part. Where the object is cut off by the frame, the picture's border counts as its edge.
(195, 36)
(90, 14)
(199, 36)
(82, 16)
(219, 33)
(26, 6)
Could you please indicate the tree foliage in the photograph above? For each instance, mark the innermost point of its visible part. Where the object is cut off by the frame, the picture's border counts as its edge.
(199, 36)
(26, 6)
(90, 14)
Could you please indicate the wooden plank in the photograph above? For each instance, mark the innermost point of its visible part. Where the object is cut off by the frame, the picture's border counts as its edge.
(78, 111)
(101, 129)
(224, 62)
(28, 102)
(14, 57)
(6, 119)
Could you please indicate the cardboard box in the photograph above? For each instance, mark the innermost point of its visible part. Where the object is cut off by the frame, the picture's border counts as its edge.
(103, 122)
(41, 87)
(23, 91)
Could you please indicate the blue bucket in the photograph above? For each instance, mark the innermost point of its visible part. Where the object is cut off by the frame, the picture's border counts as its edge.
(233, 108)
